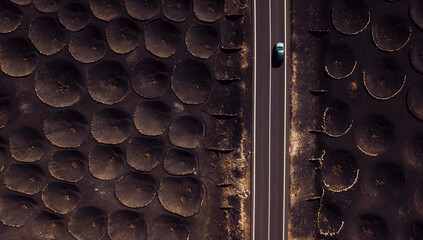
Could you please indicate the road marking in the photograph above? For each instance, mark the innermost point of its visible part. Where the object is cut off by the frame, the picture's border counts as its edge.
(286, 12)
(254, 119)
(270, 119)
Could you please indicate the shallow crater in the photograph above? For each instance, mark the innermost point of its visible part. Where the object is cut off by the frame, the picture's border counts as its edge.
(374, 135)
(340, 62)
(58, 83)
(136, 190)
(415, 100)
(176, 11)
(384, 79)
(15, 210)
(180, 162)
(106, 162)
(48, 6)
(191, 81)
(110, 126)
(88, 47)
(168, 227)
(126, 224)
(208, 10)
(162, 38)
(416, 12)
(61, 198)
(74, 16)
(145, 153)
(21, 2)
(330, 219)
(416, 57)
(24, 178)
(108, 82)
(122, 35)
(88, 223)
(7, 110)
(186, 132)
(11, 17)
(181, 195)
(387, 181)
(337, 119)
(202, 40)
(26, 145)
(350, 17)
(370, 226)
(340, 171)
(106, 9)
(17, 57)
(47, 35)
(46, 225)
(150, 78)
(142, 10)
(152, 117)
(390, 33)
(67, 165)
(66, 128)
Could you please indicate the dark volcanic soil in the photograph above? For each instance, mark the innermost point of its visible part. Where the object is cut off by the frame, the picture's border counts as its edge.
(363, 90)
(117, 118)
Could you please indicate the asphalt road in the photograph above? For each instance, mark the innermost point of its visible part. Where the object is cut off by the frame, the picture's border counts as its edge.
(269, 124)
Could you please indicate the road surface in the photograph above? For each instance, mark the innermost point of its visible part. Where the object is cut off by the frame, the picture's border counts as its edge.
(269, 134)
